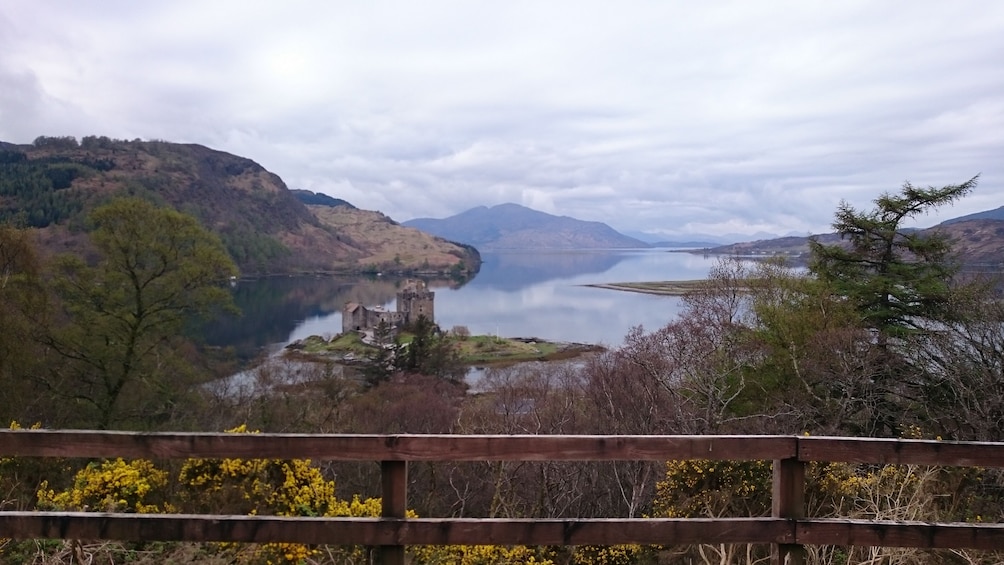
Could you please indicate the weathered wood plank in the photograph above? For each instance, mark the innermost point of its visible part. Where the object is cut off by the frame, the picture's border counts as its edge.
(394, 500)
(788, 501)
(391, 531)
(901, 451)
(47, 443)
(900, 534)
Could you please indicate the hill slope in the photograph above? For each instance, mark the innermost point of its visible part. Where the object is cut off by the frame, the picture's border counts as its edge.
(511, 226)
(51, 184)
(390, 245)
(995, 214)
(977, 242)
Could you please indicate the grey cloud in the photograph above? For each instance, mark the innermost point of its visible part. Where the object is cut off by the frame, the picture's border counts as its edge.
(665, 116)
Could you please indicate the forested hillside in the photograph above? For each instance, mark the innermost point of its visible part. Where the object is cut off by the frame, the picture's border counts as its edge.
(50, 185)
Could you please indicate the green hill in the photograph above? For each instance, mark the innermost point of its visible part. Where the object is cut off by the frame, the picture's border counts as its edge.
(52, 184)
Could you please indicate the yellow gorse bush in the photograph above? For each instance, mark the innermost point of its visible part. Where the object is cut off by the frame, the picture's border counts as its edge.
(627, 554)
(704, 488)
(268, 487)
(230, 486)
(480, 555)
(111, 486)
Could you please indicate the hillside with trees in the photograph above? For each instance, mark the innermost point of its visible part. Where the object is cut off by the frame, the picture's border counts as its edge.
(881, 336)
(51, 184)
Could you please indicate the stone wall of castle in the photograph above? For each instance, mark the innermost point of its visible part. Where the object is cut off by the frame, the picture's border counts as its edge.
(413, 300)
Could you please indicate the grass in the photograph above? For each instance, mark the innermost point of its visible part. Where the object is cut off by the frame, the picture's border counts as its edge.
(473, 350)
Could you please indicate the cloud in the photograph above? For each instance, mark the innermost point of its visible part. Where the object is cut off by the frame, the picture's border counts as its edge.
(673, 117)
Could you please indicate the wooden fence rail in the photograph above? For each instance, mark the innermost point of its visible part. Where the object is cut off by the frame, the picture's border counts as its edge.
(788, 530)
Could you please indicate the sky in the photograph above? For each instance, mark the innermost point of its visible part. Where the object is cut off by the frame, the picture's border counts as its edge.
(670, 117)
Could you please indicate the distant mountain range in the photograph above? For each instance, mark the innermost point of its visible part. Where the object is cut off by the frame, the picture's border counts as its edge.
(979, 237)
(995, 214)
(54, 182)
(979, 241)
(511, 226)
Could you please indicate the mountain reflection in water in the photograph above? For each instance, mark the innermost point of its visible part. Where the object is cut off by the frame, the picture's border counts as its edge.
(515, 294)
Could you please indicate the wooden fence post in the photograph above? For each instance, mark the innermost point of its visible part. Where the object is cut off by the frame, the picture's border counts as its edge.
(788, 502)
(394, 478)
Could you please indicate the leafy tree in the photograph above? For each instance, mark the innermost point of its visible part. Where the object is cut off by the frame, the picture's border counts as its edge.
(125, 315)
(22, 303)
(965, 387)
(898, 279)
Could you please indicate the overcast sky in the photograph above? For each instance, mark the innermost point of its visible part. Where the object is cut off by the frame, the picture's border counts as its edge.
(669, 117)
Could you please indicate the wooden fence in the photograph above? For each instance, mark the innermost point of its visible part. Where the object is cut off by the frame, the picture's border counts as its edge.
(788, 530)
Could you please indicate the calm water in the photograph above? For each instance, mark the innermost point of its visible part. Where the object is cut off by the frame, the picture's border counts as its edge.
(515, 294)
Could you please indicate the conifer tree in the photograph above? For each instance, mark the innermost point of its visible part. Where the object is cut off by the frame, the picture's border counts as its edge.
(899, 280)
(900, 284)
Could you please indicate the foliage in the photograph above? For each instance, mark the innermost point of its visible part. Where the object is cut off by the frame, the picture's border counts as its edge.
(428, 352)
(253, 250)
(265, 486)
(964, 392)
(268, 486)
(37, 191)
(221, 486)
(624, 554)
(23, 304)
(480, 555)
(702, 488)
(159, 270)
(112, 486)
(898, 280)
(20, 476)
(503, 555)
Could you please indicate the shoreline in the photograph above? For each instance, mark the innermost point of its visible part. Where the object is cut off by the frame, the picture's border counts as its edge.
(660, 288)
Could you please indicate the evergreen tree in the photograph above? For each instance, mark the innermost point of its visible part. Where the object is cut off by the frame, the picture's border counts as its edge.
(900, 284)
(899, 280)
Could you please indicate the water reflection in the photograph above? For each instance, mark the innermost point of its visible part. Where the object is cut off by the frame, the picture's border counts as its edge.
(515, 294)
(274, 309)
(515, 270)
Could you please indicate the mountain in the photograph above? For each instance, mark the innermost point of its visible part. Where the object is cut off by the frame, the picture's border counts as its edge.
(978, 241)
(511, 226)
(680, 244)
(53, 183)
(995, 214)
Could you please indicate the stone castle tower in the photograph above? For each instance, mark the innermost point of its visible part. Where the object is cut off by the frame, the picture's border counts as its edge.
(415, 300)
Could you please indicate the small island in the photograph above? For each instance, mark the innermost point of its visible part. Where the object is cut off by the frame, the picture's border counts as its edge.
(471, 350)
(373, 335)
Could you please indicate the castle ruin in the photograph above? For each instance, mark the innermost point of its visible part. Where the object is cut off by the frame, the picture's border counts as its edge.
(414, 300)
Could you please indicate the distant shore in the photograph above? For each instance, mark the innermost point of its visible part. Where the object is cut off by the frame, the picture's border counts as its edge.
(665, 288)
